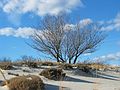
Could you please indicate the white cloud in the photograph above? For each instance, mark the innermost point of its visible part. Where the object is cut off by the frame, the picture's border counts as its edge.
(6, 31)
(40, 7)
(82, 24)
(115, 56)
(25, 32)
(117, 20)
(112, 24)
(69, 27)
(15, 8)
(20, 32)
(87, 54)
(85, 22)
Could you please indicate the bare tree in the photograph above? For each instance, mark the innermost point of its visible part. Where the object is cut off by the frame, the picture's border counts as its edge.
(49, 39)
(82, 40)
(66, 44)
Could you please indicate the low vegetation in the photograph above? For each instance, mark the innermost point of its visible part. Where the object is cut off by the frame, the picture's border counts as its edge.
(66, 66)
(53, 74)
(47, 63)
(84, 67)
(30, 82)
(87, 67)
(6, 65)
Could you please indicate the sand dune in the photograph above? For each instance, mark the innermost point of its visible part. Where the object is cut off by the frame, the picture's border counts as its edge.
(105, 81)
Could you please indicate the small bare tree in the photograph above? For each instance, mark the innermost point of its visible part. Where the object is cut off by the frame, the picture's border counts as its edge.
(66, 44)
(82, 40)
(49, 39)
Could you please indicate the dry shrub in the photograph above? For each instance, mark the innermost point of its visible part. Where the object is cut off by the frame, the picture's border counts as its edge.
(98, 66)
(47, 63)
(66, 66)
(30, 82)
(91, 67)
(32, 64)
(57, 63)
(6, 65)
(29, 61)
(53, 74)
(84, 67)
(18, 63)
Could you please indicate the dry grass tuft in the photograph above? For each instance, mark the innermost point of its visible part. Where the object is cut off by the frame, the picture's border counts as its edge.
(53, 74)
(91, 66)
(66, 66)
(6, 65)
(47, 63)
(30, 82)
(32, 64)
(84, 67)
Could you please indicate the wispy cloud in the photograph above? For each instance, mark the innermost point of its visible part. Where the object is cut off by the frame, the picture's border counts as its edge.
(40, 7)
(110, 25)
(113, 24)
(115, 56)
(82, 24)
(87, 54)
(25, 32)
(20, 32)
(85, 22)
(16, 8)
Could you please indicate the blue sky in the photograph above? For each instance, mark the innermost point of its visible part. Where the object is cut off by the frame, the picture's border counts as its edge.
(19, 18)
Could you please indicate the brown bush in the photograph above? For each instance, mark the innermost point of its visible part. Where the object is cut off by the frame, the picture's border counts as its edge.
(84, 67)
(53, 74)
(47, 63)
(98, 66)
(18, 63)
(32, 64)
(27, 63)
(66, 66)
(30, 82)
(6, 65)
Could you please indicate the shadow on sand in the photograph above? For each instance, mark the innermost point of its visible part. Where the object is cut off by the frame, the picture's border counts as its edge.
(54, 87)
(68, 78)
(107, 77)
(94, 75)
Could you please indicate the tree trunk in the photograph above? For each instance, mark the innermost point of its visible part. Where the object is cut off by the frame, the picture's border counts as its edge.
(58, 60)
(69, 61)
(75, 60)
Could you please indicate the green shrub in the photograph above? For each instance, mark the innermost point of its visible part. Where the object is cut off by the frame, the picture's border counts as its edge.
(30, 82)
(53, 74)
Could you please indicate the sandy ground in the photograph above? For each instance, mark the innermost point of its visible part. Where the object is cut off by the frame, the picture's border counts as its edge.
(106, 80)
